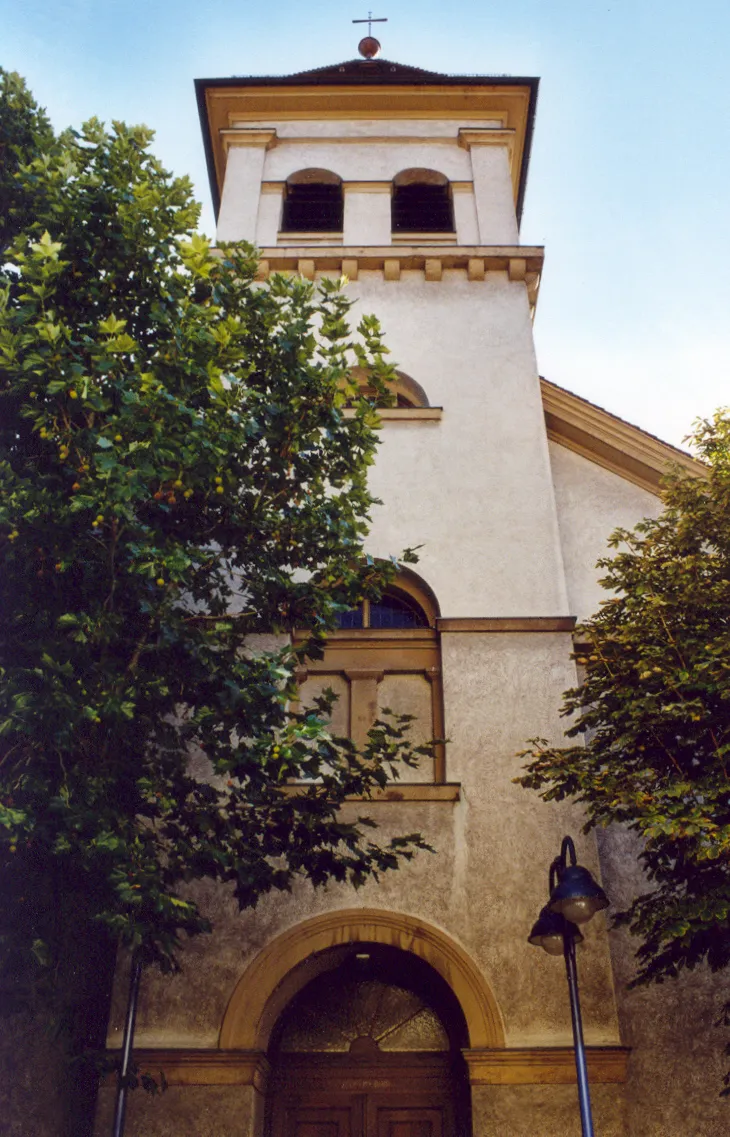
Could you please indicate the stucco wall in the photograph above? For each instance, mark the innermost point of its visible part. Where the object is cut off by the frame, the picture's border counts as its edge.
(500, 690)
(592, 502)
(475, 489)
(356, 161)
(185, 1111)
(545, 1111)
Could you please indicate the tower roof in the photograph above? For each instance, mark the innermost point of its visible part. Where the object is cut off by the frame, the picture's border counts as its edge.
(365, 71)
(217, 97)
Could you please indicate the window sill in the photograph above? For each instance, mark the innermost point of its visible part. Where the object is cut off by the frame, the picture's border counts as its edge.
(403, 414)
(302, 237)
(410, 414)
(417, 237)
(397, 791)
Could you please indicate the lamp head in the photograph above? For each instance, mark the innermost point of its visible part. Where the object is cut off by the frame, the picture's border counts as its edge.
(576, 896)
(548, 932)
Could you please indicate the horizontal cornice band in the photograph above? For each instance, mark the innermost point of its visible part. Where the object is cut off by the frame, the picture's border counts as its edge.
(505, 623)
(522, 263)
(496, 257)
(523, 1066)
(544, 1065)
(202, 1067)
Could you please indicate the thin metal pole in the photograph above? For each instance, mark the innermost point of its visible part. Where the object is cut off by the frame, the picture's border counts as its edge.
(584, 1095)
(121, 1103)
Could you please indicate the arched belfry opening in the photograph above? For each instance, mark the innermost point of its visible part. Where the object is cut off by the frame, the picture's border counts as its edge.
(370, 1045)
(421, 202)
(313, 202)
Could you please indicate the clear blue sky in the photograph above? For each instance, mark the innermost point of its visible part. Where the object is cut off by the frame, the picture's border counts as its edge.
(628, 187)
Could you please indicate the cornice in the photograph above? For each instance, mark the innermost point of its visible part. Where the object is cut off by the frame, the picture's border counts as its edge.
(203, 1067)
(610, 442)
(265, 139)
(520, 262)
(495, 1066)
(485, 136)
(544, 1065)
(505, 623)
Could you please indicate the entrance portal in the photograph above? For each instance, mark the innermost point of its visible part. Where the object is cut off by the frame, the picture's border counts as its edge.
(370, 1047)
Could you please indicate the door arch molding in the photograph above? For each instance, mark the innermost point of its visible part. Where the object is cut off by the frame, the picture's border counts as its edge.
(283, 967)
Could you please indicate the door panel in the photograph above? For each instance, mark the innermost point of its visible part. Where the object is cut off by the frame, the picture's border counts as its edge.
(315, 1121)
(408, 1123)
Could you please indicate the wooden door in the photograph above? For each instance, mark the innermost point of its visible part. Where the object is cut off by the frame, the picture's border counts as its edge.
(320, 1121)
(410, 1095)
(409, 1121)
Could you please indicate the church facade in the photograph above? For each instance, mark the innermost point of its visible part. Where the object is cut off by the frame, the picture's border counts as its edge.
(415, 1007)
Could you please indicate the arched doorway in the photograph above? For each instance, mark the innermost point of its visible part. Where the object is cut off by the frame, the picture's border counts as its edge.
(369, 1047)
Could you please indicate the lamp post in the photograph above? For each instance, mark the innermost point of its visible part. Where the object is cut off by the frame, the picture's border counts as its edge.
(574, 899)
(120, 1107)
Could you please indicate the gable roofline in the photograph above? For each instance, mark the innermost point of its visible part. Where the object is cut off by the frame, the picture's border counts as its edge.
(365, 73)
(610, 441)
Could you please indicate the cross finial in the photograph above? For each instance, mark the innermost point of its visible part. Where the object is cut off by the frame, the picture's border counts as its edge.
(371, 19)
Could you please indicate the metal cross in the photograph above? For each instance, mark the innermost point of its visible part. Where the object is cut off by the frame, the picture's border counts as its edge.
(372, 20)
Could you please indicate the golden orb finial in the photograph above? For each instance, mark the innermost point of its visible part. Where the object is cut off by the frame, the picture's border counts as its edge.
(369, 47)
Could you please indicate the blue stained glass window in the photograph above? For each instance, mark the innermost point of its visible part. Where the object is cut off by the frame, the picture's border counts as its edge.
(350, 619)
(396, 612)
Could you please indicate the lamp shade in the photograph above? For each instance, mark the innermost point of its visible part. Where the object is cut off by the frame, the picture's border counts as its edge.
(577, 896)
(548, 932)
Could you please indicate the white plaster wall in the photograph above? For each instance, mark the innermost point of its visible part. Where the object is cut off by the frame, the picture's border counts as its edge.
(493, 193)
(592, 502)
(367, 161)
(368, 127)
(475, 489)
(241, 192)
(367, 217)
(465, 217)
(269, 217)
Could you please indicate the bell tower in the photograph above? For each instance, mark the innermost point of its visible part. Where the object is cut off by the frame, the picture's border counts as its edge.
(411, 184)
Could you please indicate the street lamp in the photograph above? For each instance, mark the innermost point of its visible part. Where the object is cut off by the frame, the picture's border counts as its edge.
(574, 899)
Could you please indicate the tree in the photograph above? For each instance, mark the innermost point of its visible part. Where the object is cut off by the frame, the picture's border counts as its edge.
(654, 715)
(184, 465)
(26, 132)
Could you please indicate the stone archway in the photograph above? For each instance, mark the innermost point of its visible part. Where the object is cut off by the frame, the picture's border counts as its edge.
(370, 1047)
(283, 967)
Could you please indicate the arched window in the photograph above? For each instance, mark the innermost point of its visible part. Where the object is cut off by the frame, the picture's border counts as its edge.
(312, 202)
(406, 391)
(395, 609)
(421, 203)
(386, 655)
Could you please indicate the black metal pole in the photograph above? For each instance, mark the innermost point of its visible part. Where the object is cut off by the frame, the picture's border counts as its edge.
(584, 1095)
(121, 1103)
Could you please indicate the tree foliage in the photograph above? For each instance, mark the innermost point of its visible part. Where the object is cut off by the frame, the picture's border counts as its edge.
(26, 132)
(184, 471)
(654, 715)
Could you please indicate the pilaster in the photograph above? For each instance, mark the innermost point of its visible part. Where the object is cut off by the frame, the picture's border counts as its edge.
(245, 152)
(492, 167)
